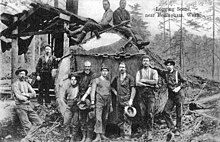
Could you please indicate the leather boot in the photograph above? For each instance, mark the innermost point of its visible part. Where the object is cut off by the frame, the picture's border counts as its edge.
(97, 34)
(142, 44)
(84, 136)
(98, 138)
(89, 136)
(80, 38)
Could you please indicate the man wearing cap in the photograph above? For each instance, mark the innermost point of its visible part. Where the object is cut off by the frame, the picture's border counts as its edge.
(175, 85)
(71, 114)
(45, 64)
(146, 80)
(23, 92)
(121, 15)
(92, 25)
(123, 86)
(85, 82)
(101, 93)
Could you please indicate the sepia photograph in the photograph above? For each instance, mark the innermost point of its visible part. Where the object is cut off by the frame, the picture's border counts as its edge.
(110, 71)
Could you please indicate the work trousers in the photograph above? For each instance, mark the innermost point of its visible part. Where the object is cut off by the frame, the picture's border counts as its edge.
(27, 116)
(44, 87)
(174, 99)
(71, 118)
(92, 26)
(147, 103)
(102, 108)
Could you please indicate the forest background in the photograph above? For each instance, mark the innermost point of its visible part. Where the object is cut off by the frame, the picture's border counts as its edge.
(192, 40)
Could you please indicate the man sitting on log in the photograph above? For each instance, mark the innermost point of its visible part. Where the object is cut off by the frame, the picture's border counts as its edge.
(121, 15)
(176, 96)
(92, 25)
(146, 80)
(23, 92)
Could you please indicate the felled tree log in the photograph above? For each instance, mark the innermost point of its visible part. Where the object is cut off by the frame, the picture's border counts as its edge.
(98, 52)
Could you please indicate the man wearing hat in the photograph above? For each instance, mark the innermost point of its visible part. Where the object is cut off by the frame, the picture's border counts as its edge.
(45, 64)
(101, 93)
(23, 92)
(175, 85)
(146, 80)
(123, 86)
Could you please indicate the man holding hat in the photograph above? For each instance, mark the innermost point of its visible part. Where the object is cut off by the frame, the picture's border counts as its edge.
(123, 86)
(175, 85)
(146, 80)
(85, 82)
(45, 64)
(101, 93)
(23, 92)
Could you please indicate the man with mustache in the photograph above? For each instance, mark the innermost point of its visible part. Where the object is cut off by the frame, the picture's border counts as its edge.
(23, 92)
(176, 95)
(45, 64)
(124, 87)
(85, 82)
(146, 80)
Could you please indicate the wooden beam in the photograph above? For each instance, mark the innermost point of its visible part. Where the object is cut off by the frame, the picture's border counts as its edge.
(35, 33)
(14, 55)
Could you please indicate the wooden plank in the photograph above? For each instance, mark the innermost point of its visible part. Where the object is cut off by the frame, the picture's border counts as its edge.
(35, 33)
(14, 55)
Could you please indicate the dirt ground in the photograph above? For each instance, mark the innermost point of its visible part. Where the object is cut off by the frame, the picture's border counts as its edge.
(200, 124)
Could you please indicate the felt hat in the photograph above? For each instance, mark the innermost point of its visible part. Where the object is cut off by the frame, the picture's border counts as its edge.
(104, 67)
(83, 105)
(169, 61)
(21, 69)
(130, 111)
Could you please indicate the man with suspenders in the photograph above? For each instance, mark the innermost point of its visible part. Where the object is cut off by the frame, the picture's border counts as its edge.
(175, 85)
(146, 80)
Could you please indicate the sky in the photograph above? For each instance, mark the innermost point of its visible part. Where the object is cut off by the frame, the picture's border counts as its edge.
(94, 9)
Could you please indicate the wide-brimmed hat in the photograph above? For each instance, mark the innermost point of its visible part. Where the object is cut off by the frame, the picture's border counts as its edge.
(83, 105)
(169, 61)
(130, 111)
(21, 69)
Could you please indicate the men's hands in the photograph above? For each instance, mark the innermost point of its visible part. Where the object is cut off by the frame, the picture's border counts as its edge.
(84, 97)
(177, 89)
(38, 78)
(130, 102)
(111, 108)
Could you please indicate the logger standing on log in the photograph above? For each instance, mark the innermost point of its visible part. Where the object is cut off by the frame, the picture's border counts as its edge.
(101, 93)
(71, 114)
(92, 25)
(45, 64)
(85, 81)
(124, 88)
(146, 80)
(176, 95)
(23, 91)
(121, 15)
